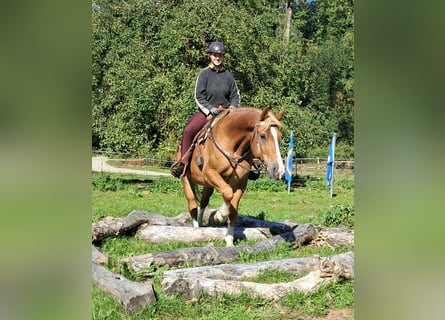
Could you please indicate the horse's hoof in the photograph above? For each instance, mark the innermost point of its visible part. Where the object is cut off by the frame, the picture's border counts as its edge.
(229, 244)
(229, 241)
(219, 218)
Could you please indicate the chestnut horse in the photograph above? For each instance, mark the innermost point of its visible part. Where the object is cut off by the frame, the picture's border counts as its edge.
(223, 161)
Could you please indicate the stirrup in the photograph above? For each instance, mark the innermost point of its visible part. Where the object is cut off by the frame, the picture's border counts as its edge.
(177, 171)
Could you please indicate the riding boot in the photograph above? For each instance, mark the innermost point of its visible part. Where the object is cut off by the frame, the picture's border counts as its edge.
(177, 170)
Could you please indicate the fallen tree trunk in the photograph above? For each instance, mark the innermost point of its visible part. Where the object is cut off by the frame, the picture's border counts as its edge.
(250, 222)
(239, 271)
(190, 234)
(190, 288)
(330, 270)
(112, 227)
(211, 255)
(334, 237)
(98, 256)
(134, 296)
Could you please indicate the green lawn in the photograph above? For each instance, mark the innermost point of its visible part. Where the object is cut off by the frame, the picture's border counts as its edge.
(308, 202)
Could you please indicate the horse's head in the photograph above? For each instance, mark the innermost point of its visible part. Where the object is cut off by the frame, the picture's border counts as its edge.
(265, 144)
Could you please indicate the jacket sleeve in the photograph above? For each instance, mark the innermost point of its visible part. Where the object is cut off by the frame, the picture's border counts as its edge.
(200, 89)
(235, 98)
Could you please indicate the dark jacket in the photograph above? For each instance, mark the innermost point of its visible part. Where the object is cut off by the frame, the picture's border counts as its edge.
(216, 87)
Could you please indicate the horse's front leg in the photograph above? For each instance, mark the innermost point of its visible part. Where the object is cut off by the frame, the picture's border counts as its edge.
(215, 179)
(233, 216)
(223, 212)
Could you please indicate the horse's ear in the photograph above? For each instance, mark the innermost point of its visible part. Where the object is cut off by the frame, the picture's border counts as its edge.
(279, 116)
(264, 113)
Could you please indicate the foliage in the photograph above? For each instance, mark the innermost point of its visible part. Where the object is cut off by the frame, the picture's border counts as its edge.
(164, 185)
(106, 182)
(343, 151)
(146, 56)
(265, 184)
(339, 215)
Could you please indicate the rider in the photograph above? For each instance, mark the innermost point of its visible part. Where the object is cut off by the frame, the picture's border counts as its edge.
(215, 90)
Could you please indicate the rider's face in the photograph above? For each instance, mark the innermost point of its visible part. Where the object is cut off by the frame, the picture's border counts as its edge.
(217, 58)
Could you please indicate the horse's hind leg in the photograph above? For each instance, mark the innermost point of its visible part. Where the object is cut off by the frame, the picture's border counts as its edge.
(206, 194)
(190, 196)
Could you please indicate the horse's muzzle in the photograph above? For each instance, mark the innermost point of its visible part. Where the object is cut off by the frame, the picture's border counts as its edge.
(274, 171)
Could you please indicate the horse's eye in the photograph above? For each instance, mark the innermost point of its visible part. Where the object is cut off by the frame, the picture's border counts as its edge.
(263, 136)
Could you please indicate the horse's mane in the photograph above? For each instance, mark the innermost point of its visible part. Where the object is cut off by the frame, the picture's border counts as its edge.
(272, 120)
(247, 119)
(269, 121)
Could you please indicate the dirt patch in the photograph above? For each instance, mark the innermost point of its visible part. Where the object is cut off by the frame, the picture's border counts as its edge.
(337, 314)
(332, 314)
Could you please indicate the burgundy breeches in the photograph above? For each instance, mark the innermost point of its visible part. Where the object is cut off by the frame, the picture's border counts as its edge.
(195, 123)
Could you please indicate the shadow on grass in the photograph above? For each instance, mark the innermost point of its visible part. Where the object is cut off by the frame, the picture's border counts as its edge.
(301, 181)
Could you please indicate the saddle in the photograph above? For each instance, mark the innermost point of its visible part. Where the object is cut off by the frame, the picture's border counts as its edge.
(199, 138)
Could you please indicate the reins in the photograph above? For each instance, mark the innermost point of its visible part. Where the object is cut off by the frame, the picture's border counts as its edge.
(236, 161)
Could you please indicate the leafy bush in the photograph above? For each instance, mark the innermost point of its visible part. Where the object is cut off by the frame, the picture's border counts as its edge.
(315, 184)
(342, 150)
(339, 215)
(266, 184)
(106, 182)
(346, 184)
(166, 185)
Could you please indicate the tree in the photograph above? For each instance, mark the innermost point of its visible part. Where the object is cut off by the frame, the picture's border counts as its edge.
(146, 56)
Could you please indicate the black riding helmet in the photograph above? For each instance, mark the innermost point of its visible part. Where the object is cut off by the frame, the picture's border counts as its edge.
(216, 47)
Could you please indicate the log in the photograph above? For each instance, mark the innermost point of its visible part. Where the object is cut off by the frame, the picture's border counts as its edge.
(212, 255)
(132, 295)
(98, 256)
(250, 222)
(112, 227)
(157, 234)
(334, 237)
(189, 289)
(274, 227)
(288, 266)
(328, 270)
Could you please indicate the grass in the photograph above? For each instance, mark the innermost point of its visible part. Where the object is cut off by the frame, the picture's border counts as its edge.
(137, 165)
(309, 202)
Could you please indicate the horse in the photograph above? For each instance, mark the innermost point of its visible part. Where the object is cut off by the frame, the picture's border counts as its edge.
(223, 158)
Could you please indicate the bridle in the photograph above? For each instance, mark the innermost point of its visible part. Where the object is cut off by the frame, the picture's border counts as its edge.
(258, 163)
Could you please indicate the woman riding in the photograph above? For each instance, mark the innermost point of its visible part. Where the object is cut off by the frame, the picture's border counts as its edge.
(215, 90)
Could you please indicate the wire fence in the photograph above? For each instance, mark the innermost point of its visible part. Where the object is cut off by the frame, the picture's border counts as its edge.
(311, 166)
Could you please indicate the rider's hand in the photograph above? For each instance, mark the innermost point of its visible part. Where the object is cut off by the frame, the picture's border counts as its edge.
(214, 111)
